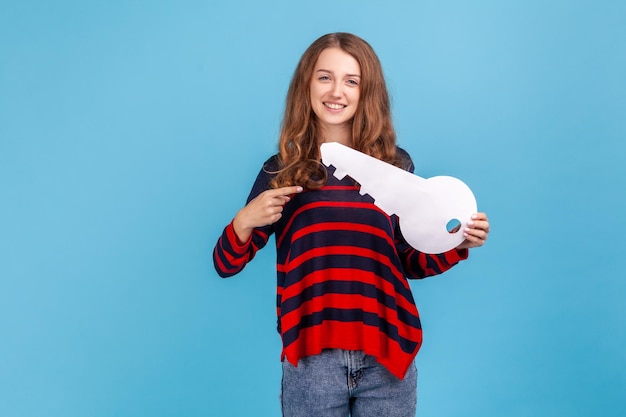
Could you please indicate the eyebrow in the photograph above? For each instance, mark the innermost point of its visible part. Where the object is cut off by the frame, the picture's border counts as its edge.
(330, 72)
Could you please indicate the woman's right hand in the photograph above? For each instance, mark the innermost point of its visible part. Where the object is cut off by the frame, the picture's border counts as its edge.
(263, 210)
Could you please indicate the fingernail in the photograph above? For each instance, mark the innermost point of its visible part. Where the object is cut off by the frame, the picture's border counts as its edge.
(470, 223)
(474, 216)
(299, 189)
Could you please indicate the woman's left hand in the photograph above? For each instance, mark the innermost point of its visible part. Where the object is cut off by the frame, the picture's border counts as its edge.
(476, 232)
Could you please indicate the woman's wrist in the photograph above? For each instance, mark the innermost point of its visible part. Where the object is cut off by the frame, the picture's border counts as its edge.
(243, 233)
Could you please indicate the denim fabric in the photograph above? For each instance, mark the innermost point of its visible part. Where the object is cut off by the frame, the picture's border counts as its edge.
(342, 383)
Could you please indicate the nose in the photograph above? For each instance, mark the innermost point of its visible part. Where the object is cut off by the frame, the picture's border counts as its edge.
(337, 89)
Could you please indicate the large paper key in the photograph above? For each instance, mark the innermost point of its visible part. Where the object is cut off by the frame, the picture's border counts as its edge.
(428, 209)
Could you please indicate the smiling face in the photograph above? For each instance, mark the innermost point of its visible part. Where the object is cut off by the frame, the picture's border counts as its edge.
(335, 89)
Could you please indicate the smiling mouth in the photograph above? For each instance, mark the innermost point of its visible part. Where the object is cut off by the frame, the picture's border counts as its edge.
(335, 106)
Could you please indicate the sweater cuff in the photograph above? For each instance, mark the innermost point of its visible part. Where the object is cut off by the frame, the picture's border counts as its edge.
(456, 255)
(235, 243)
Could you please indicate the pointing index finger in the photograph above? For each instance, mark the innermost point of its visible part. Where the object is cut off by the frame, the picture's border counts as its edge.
(286, 191)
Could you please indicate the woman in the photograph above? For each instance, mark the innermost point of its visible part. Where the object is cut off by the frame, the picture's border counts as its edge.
(348, 322)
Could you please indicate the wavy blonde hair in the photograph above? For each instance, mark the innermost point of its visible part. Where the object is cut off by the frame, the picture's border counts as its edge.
(372, 127)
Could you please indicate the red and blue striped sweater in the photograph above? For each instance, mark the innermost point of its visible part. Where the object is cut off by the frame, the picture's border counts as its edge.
(342, 268)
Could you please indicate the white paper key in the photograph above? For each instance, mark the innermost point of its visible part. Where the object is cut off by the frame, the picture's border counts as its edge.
(428, 208)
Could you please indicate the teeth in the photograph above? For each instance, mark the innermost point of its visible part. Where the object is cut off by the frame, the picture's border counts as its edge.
(334, 106)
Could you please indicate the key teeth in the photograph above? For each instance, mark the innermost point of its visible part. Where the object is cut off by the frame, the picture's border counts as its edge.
(339, 174)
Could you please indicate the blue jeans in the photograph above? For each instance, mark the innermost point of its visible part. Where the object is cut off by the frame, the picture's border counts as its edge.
(342, 383)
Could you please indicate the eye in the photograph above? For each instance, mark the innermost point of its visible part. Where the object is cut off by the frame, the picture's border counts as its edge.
(353, 82)
(323, 78)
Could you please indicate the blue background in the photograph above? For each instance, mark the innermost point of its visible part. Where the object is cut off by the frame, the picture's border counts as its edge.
(131, 133)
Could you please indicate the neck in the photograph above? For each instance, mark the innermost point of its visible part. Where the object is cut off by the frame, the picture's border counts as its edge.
(341, 134)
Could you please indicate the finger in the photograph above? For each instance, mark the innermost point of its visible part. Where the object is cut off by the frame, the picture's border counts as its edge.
(280, 196)
(479, 224)
(272, 197)
(475, 234)
(286, 191)
(479, 216)
(278, 201)
(473, 242)
(273, 209)
(274, 218)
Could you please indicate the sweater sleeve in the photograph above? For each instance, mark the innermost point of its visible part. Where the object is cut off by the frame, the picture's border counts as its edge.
(230, 256)
(418, 264)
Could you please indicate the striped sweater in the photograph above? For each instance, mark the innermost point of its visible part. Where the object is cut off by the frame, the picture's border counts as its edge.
(342, 267)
